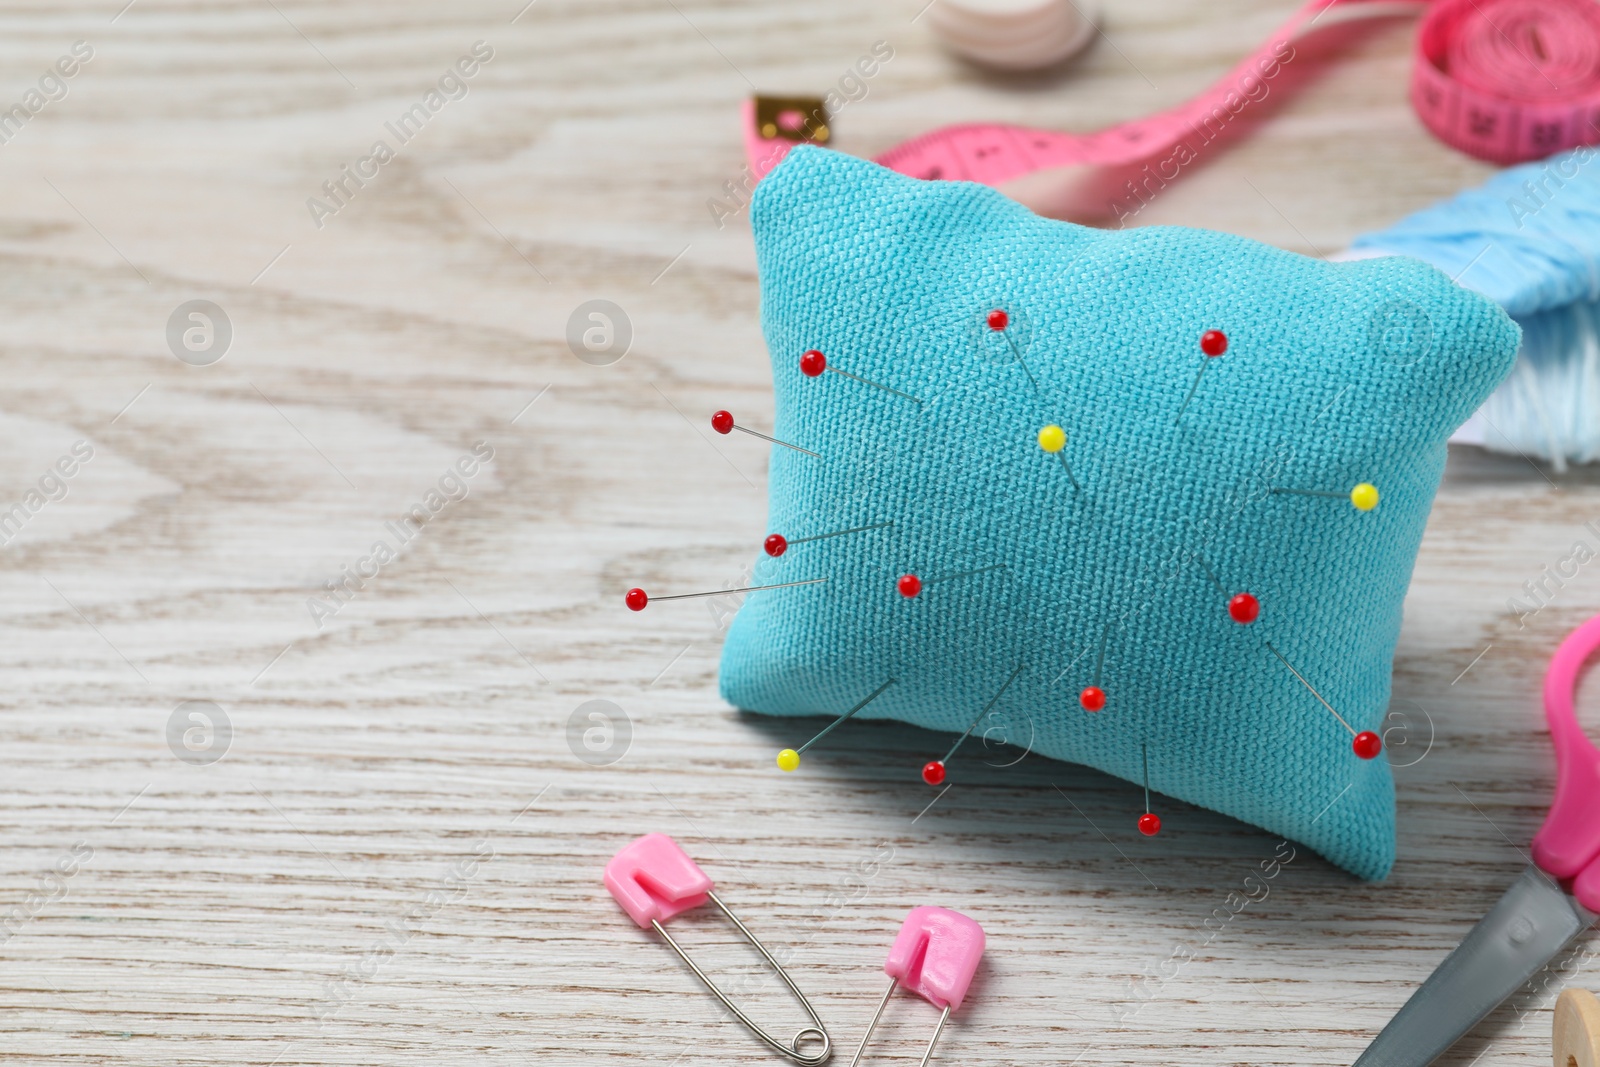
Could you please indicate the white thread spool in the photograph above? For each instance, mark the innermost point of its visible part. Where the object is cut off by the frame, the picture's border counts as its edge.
(1012, 34)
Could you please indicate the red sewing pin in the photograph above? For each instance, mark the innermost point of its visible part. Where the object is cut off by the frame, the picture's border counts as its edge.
(1212, 344)
(911, 585)
(1149, 822)
(776, 544)
(933, 771)
(1093, 698)
(1000, 322)
(722, 422)
(1365, 744)
(638, 599)
(1243, 608)
(813, 363)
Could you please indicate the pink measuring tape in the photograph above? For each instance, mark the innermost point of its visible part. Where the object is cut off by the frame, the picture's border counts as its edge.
(1509, 80)
(1503, 80)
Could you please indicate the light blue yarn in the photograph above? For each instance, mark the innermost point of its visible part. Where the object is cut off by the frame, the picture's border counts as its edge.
(892, 279)
(1528, 239)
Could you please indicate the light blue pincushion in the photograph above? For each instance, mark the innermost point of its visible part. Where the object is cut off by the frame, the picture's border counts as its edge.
(1335, 374)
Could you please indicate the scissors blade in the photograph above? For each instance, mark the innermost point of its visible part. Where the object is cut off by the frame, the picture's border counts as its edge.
(1533, 921)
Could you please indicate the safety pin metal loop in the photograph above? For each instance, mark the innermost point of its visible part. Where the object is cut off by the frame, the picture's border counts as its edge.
(792, 1049)
(873, 1025)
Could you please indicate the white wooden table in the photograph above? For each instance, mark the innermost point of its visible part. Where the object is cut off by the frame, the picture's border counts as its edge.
(396, 858)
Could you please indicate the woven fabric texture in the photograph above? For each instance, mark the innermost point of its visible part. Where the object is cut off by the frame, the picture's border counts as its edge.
(1335, 374)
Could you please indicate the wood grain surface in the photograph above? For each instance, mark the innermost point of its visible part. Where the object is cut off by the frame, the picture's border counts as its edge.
(396, 858)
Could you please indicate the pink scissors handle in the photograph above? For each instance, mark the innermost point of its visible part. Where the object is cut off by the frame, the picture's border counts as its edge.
(1568, 844)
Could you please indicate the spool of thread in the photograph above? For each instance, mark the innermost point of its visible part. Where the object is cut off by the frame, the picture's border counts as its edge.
(1528, 239)
(1012, 34)
(1575, 1030)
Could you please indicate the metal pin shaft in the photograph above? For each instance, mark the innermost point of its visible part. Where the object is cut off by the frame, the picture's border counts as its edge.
(962, 574)
(1309, 687)
(746, 589)
(835, 724)
(951, 754)
(875, 385)
(840, 533)
(1198, 375)
(774, 440)
(1308, 492)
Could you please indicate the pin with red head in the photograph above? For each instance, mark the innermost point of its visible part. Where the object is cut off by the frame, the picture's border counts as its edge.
(777, 544)
(1365, 744)
(654, 881)
(1243, 608)
(813, 364)
(999, 320)
(935, 956)
(1213, 343)
(722, 422)
(1149, 822)
(637, 599)
(1093, 698)
(933, 772)
(911, 586)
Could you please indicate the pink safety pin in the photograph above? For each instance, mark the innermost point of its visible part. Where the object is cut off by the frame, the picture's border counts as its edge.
(653, 879)
(1555, 898)
(935, 955)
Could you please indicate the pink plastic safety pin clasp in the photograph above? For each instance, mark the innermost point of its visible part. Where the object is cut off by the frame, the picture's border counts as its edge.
(935, 956)
(653, 879)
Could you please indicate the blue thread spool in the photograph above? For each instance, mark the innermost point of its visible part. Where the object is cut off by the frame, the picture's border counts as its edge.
(1529, 239)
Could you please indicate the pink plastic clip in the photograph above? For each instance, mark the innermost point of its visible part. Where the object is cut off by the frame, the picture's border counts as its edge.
(935, 956)
(653, 879)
